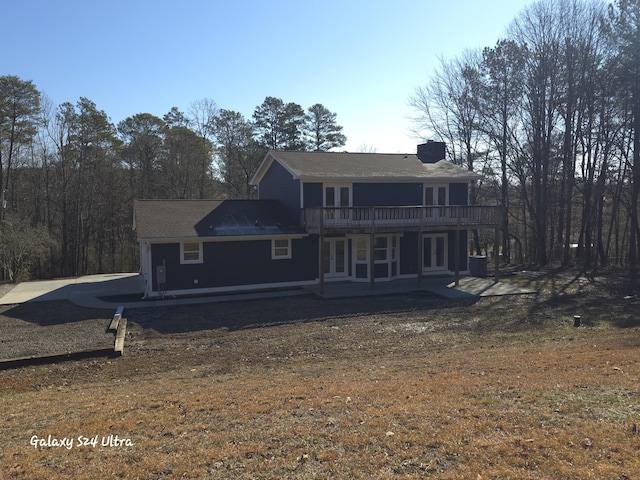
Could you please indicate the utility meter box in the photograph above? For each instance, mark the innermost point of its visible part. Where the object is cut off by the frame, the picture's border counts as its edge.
(161, 274)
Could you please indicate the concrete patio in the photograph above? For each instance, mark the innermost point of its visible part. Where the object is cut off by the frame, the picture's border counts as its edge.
(102, 291)
(441, 286)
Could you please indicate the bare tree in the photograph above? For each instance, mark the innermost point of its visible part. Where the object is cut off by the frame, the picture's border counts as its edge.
(500, 100)
(538, 29)
(449, 107)
(624, 31)
(202, 117)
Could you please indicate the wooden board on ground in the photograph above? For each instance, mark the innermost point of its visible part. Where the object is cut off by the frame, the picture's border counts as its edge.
(116, 319)
(122, 331)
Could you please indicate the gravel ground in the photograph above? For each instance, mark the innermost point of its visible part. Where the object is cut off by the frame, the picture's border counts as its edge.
(52, 328)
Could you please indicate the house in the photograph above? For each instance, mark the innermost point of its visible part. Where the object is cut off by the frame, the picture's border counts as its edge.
(320, 217)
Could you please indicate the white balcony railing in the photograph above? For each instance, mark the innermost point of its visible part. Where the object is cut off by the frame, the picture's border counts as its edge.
(346, 218)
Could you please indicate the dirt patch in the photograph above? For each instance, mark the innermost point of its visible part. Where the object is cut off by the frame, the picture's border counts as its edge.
(406, 386)
(52, 328)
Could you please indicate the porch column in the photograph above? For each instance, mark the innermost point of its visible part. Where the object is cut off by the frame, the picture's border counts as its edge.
(420, 246)
(372, 244)
(496, 254)
(456, 254)
(420, 256)
(321, 255)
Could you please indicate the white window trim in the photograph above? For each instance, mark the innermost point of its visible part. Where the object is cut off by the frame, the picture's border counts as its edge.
(185, 262)
(274, 256)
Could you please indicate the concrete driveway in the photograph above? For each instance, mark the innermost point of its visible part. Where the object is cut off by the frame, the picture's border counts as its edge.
(86, 291)
(93, 291)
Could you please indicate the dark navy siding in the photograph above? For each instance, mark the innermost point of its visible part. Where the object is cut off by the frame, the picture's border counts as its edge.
(409, 254)
(312, 193)
(382, 270)
(279, 184)
(462, 252)
(458, 194)
(169, 255)
(386, 194)
(236, 263)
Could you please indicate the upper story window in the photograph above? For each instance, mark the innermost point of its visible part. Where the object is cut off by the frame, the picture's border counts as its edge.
(337, 196)
(337, 200)
(191, 252)
(436, 195)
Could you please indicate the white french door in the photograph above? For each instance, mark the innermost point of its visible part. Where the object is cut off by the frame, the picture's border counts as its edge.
(337, 200)
(434, 253)
(435, 196)
(334, 257)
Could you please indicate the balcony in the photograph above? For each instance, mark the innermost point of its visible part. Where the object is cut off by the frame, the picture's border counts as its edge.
(368, 219)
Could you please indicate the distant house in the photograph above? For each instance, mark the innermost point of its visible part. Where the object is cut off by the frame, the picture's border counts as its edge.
(320, 217)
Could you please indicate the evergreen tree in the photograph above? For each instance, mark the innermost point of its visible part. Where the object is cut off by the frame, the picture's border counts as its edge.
(322, 130)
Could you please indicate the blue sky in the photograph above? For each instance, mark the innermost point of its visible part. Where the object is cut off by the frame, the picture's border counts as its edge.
(361, 60)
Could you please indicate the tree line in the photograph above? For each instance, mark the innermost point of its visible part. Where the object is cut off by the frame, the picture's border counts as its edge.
(68, 175)
(550, 116)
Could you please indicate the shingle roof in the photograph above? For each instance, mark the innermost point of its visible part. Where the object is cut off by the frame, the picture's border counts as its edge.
(175, 219)
(364, 166)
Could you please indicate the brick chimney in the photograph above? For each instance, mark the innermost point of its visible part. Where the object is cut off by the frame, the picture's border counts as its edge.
(431, 152)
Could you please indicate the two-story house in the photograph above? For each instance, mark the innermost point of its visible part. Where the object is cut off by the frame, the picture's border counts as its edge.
(320, 216)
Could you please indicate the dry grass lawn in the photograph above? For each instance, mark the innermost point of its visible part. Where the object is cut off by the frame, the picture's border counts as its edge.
(385, 387)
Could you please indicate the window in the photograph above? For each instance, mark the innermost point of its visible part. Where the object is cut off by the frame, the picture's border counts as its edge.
(436, 201)
(191, 252)
(380, 249)
(337, 200)
(280, 248)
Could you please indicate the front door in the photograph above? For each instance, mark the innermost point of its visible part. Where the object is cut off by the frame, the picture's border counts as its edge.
(334, 257)
(434, 254)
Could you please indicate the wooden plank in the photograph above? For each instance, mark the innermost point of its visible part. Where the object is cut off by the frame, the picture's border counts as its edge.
(116, 319)
(122, 331)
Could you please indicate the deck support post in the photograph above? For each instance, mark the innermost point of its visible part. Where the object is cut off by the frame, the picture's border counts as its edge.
(372, 245)
(456, 254)
(420, 246)
(496, 254)
(321, 254)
